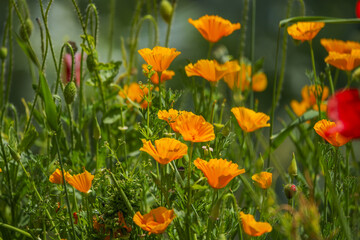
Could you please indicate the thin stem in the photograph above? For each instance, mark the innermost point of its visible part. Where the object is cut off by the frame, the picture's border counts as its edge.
(328, 72)
(65, 187)
(252, 49)
(273, 106)
(188, 222)
(283, 54)
(167, 39)
(111, 30)
(244, 21)
(210, 220)
(211, 44)
(15, 229)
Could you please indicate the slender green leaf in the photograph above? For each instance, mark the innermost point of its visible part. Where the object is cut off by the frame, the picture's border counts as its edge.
(278, 138)
(50, 107)
(318, 19)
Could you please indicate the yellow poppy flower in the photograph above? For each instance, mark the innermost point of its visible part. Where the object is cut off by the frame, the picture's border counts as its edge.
(56, 176)
(250, 120)
(305, 31)
(156, 221)
(210, 70)
(82, 182)
(159, 58)
(213, 28)
(263, 179)
(334, 138)
(165, 75)
(194, 128)
(165, 149)
(339, 46)
(344, 61)
(219, 172)
(252, 227)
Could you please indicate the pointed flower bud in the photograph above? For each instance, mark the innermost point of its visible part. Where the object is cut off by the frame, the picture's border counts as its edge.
(292, 170)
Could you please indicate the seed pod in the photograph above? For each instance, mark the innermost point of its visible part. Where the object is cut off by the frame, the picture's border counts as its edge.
(166, 10)
(26, 29)
(3, 53)
(70, 92)
(290, 190)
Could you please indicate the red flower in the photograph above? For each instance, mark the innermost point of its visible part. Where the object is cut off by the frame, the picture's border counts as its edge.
(66, 77)
(344, 109)
(357, 9)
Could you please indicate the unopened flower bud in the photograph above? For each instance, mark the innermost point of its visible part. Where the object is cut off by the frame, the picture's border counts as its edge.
(3, 53)
(91, 62)
(259, 164)
(166, 10)
(96, 130)
(14, 154)
(292, 170)
(26, 29)
(70, 92)
(356, 74)
(290, 190)
(73, 46)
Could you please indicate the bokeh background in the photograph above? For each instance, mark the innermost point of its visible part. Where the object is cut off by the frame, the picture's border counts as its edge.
(64, 26)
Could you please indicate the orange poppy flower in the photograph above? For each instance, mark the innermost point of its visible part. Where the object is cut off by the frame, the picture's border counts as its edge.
(309, 95)
(194, 128)
(82, 182)
(210, 70)
(344, 61)
(165, 75)
(156, 221)
(334, 138)
(339, 46)
(167, 149)
(250, 120)
(213, 28)
(252, 227)
(135, 92)
(56, 176)
(305, 31)
(234, 80)
(263, 179)
(159, 58)
(170, 117)
(299, 108)
(0, 170)
(219, 172)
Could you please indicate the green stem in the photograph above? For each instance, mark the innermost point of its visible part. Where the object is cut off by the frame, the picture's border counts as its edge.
(65, 187)
(15, 229)
(252, 51)
(122, 194)
(337, 206)
(283, 54)
(347, 176)
(328, 73)
(188, 217)
(349, 77)
(273, 105)
(210, 224)
(244, 21)
(318, 102)
(111, 31)
(167, 39)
